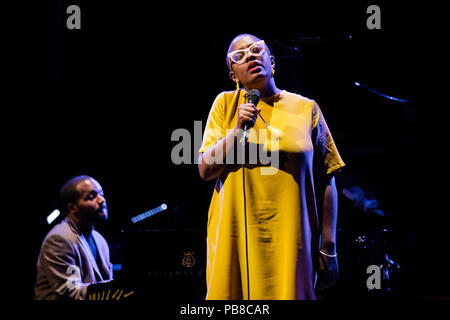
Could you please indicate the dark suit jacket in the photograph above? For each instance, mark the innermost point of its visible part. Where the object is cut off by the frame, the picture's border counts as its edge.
(66, 265)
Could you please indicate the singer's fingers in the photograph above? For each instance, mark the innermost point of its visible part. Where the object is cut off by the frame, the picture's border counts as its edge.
(249, 110)
(247, 106)
(248, 119)
(247, 113)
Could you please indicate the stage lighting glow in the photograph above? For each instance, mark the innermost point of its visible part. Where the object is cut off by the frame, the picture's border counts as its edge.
(149, 213)
(381, 94)
(52, 216)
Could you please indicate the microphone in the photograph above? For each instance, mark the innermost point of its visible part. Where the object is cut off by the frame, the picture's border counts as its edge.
(252, 97)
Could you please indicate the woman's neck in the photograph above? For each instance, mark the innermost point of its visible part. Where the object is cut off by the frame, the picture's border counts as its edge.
(268, 89)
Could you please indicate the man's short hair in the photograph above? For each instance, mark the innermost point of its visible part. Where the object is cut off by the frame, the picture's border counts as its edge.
(69, 192)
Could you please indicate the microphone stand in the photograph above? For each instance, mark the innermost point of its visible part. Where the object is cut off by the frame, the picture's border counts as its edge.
(244, 141)
(255, 95)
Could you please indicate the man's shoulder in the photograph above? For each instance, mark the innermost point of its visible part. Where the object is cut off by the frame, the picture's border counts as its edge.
(63, 233)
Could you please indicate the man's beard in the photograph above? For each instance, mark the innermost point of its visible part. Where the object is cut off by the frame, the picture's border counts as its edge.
(97, 217)
(101, 216)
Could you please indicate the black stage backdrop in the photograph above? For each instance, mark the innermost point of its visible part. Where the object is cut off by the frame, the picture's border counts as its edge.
(104, 101)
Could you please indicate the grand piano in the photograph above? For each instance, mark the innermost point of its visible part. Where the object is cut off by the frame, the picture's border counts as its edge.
(157, 264)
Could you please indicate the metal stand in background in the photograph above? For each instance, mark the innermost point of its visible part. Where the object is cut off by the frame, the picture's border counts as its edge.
(371, 241)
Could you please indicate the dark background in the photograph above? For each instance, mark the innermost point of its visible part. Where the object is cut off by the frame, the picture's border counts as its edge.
(104, 101)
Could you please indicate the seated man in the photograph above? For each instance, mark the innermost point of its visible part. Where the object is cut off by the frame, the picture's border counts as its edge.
(73, 255)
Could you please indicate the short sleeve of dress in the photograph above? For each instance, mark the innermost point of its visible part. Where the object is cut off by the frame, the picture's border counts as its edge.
(214, 125)
(323, 142)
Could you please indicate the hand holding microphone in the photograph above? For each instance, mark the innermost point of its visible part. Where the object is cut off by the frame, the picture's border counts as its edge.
(247, 112)
(247, 115)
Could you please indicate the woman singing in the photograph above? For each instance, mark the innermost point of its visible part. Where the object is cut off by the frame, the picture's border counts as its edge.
(264, 238)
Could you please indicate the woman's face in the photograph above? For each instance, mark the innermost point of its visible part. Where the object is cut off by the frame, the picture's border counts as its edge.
(255, 70)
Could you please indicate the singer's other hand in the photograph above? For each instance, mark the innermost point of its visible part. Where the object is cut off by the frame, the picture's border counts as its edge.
(247, 115)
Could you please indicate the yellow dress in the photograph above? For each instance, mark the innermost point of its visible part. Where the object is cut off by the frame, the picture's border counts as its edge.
(282, 221)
